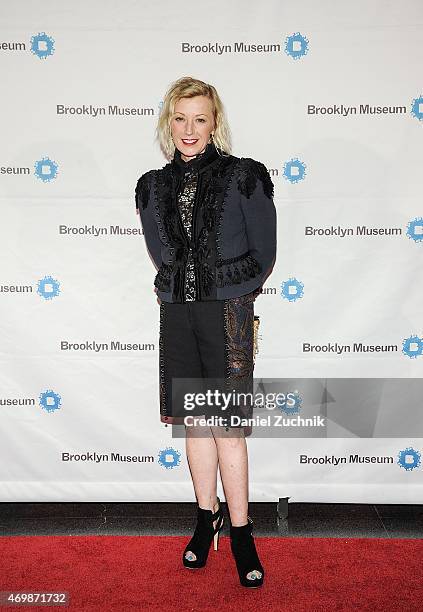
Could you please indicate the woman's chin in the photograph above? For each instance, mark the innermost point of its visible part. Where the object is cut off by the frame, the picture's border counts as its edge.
(190, 151)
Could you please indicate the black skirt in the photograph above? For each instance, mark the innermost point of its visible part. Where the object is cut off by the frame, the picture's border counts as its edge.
(204, 347)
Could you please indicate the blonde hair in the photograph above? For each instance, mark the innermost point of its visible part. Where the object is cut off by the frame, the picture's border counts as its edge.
(188, 87)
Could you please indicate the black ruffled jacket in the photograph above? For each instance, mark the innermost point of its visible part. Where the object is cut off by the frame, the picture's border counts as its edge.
(234, 225)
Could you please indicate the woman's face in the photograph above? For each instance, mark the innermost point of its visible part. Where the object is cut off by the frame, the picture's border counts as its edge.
(191, 125)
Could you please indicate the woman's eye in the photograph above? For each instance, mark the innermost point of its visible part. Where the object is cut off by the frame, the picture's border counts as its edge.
(201, 120)
(178, 118)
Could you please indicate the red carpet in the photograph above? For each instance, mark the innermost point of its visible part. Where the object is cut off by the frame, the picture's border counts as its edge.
(145, 573)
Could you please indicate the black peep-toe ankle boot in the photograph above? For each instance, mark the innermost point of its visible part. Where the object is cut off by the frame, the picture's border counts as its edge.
(203, 535)
(245, 554)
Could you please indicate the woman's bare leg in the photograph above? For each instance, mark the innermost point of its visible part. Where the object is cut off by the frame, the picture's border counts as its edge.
(202, 460)
(233, 466)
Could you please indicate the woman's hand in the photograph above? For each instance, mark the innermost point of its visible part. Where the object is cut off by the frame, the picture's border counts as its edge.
(158, 299)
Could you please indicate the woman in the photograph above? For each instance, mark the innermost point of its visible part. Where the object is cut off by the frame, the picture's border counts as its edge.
(209, 224)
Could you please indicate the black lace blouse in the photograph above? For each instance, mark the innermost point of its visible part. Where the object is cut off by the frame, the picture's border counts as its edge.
(186, 197)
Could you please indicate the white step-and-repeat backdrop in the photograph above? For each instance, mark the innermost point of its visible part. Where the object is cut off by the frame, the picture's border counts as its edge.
(329, 96)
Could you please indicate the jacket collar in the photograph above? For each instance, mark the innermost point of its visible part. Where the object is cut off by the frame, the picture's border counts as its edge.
(199, 163)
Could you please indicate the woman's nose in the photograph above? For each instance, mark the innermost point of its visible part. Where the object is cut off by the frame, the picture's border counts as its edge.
(188, 127)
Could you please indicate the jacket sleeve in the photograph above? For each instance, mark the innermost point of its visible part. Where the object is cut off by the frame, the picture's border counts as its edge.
(256, 189)
(145, 208)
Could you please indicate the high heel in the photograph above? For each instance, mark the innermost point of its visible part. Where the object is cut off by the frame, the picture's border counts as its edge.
(204, 533)
(245, 554)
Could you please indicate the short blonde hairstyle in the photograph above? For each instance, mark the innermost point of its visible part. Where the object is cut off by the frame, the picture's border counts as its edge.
(188, 87)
